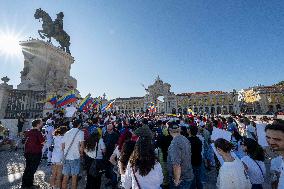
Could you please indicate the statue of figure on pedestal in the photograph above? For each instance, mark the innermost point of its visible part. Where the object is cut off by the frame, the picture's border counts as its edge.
(5, 80)
(53, 29)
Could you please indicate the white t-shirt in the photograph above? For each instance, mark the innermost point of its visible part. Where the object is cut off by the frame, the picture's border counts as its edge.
(232, 176)
(281, 179)
(151, 181)
(276, 164)
(116, 153)
(251, 129)
(106, 119)
(201, 124)
(70, 111)
(57, 153)
(49, 132)
(261, 135)
(92, 154)
(256, 175)
(113, 118)
(74, 152)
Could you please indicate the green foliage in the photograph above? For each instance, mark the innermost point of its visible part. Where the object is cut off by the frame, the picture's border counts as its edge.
(280, 83)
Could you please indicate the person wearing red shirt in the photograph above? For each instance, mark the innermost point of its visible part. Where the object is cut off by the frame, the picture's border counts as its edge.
(34, 141)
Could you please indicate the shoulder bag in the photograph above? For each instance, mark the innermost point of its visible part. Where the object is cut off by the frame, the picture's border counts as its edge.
(259, 168)
(65, 155)
(139, 187)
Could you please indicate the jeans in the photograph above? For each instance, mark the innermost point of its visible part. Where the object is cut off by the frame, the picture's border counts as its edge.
(110, 174)
(197, 183)
(92, 182)
(185, 184)
(164, 167)
(71, 167)
(256, 186)
(32, 163)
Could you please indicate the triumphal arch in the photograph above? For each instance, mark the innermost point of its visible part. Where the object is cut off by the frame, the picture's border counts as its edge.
(160, 89)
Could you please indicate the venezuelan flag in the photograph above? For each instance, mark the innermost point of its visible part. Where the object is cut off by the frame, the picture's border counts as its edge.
(68, 98)
(50, 98)
(53, 100)
(95, 104)
(89, 105)
(85, 102)
(153, 109)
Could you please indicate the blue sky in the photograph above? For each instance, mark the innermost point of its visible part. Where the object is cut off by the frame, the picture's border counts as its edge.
(195, 45)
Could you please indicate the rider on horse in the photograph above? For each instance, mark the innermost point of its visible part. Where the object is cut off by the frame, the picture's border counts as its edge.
(58, 23)
(53, 29)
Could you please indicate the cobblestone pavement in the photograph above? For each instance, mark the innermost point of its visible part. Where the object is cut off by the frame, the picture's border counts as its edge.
(12, 167)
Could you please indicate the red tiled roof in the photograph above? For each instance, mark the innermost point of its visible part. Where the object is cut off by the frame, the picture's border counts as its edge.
(130, 98)
(275, 88)
(202, 93)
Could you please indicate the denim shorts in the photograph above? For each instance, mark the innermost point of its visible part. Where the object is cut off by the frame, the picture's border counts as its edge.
(71, 167)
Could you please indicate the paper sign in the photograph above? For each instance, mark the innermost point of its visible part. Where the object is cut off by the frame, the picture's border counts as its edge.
(220, 133)
(261, 135)
(70, 111)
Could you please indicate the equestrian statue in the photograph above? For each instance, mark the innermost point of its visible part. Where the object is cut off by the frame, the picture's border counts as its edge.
(53, 29)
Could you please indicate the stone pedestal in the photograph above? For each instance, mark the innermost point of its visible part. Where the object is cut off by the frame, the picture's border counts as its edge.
(46, 68)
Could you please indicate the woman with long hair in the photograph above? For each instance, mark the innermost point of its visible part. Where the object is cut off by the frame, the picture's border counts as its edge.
(143, 170)
(125, 154)
(94, 151)
(232, 173)
(254, 162)
(56, 157)
(124, 137)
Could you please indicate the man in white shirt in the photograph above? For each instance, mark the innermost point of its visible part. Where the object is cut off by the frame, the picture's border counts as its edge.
(275, 171)
(275, 139)
(73, 148)
(48, 134)
(281, 179)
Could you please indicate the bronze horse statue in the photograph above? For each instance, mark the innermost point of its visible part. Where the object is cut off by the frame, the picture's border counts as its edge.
(53, 29)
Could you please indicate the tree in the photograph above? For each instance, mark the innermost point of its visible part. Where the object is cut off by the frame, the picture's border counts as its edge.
(280, 83)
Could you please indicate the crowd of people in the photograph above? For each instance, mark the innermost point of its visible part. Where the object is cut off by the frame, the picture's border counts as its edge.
(152, 151)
